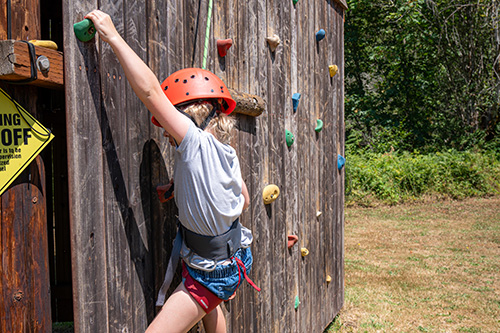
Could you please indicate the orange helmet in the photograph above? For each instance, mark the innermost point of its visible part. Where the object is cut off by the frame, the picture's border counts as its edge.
(191, 84)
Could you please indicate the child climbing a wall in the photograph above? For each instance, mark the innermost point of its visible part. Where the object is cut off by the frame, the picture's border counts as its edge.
(192, 107)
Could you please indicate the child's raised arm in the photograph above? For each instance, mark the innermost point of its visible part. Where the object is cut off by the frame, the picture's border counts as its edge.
(142, 80)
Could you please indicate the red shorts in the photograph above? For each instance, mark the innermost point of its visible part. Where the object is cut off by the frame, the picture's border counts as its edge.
(207, 300)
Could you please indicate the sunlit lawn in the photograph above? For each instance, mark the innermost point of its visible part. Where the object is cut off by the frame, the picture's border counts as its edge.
(429, 267)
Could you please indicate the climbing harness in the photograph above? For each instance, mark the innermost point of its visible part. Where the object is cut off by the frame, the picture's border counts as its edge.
(216, 248)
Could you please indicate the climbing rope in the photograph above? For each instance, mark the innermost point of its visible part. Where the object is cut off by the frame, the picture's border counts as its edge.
(207, 34)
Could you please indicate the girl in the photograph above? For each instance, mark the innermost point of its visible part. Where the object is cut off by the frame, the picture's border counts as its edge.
(191, 106)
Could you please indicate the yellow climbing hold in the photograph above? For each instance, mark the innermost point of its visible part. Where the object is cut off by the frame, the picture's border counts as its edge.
(333, 70)
(328, 279)
(304, 251)
(44, 43)
(270, 193)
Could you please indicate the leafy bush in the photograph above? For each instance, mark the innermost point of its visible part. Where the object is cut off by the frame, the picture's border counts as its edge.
(399, 177)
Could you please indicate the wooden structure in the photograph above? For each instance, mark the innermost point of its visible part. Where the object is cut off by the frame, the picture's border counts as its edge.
(121, 236)
(24, 273)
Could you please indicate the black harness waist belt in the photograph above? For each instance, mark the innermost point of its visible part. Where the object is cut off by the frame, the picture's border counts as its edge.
(218, 247)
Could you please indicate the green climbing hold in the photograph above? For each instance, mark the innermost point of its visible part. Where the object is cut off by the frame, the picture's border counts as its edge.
(295, 2)
(297, 302)
(319, 125)
(290, 138)
(84, 30)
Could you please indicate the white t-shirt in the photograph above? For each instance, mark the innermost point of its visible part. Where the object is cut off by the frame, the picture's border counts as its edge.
(208, 185)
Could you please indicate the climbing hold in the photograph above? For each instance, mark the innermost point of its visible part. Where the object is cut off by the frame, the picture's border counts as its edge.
(333, 70)
(320, 34)
(295, 101)
(223, 45)
(273, 42)
(304, 252)
(295, 2)
(84, 30)
(290, 138)
(319, 125)
(340, 162)
(165, 192)
(318, 213)
(270, 193)
(292, 239)
(297, 302)
(44, 43)
(328, 279)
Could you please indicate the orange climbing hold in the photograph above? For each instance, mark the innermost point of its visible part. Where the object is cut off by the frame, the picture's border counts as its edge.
(223, 45)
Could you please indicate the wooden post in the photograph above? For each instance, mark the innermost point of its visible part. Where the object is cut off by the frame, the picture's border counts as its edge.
(24, 273)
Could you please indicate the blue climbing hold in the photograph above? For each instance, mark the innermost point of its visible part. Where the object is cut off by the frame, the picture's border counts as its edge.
(320, 35)
(340, 162)
(295, 101)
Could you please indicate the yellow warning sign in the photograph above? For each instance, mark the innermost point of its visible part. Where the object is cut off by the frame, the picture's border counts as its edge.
(22, 138)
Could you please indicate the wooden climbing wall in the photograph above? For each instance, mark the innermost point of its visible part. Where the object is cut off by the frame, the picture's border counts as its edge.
(122, 235)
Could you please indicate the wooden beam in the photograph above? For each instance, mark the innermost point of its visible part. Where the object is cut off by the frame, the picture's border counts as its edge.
(342, 3)
(250, 105)
(15, 64)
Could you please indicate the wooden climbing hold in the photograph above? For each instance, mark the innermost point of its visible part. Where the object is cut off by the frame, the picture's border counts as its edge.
(292, 239)
(328, 279)
(319, 125)
(333, 70)
(270, 193)
(295, 101)
(290, 138)
(273, 42)
(84, 30)
(340, 162)
(297, 302)
(304, 251)
(223, 45)
(320, 34)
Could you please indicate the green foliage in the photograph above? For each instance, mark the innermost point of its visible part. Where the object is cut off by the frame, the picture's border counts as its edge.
(422, 74)
(399, 177)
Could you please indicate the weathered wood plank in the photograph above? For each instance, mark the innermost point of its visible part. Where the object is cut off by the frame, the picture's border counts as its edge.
(15, 64)
(119, 216)
(86, 169)
(339, 235)
(24, 273)
(261, 228)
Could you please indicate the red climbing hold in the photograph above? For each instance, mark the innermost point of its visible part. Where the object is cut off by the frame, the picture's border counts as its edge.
(223, 45)
(292, 239)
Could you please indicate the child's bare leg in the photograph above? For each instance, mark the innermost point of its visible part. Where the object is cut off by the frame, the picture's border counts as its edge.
(215, 321)
(178, 314)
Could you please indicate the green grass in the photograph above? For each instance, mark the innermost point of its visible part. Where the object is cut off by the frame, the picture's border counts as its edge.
(434, 272)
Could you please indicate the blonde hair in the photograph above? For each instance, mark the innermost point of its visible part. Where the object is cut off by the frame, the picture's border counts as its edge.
(220, 126)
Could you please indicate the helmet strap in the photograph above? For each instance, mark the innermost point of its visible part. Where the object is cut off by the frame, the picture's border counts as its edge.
(213, 113)
(210, 116)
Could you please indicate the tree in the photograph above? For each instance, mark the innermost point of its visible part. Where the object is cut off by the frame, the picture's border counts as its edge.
(422, 74)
